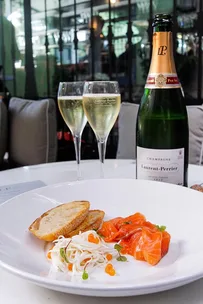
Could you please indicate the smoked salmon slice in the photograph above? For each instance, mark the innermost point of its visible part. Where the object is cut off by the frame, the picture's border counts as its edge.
(109, 231)
(138, 237)
(165, 243)
(151, 246)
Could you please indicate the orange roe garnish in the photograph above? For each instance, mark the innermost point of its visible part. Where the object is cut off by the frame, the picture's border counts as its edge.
(110, 270)
(109, 257)
(93, 239)
(70, 267)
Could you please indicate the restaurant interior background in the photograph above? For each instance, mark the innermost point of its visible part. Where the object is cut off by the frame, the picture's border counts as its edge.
(69, 40)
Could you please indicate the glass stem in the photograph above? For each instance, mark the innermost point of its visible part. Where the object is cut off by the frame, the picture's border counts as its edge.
(102, 153)
(77, 144)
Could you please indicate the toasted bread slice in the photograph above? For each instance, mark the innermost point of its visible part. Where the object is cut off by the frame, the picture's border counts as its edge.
(197, 187)
(92, 221)
(60, 220)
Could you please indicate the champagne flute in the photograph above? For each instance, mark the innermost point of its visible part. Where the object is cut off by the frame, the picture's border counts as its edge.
(71, 109)
(101, 102)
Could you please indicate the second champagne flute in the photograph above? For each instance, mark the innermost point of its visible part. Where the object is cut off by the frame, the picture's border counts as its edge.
(71, 109)
(101, 102)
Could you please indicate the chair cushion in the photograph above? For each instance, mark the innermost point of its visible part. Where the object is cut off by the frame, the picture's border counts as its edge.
(195, 119)
(127, 134)
(33, 136)
(3, 130)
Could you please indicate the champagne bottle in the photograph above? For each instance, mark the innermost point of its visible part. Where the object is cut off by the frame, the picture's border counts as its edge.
(162, 122)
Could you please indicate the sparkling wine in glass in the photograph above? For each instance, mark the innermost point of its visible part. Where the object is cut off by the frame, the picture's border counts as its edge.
(71, 109)
(101, 102)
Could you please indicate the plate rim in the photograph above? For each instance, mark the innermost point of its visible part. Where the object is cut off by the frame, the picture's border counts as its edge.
(100, 287)
(98, 180)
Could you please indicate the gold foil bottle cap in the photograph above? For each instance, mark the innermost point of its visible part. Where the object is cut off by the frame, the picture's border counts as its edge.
(162, 73)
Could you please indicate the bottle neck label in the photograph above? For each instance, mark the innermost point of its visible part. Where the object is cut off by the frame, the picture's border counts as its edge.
(162, 73)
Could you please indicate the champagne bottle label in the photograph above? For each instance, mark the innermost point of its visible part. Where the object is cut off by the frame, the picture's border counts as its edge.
(162, 73)
(161, 81)
(161, 165)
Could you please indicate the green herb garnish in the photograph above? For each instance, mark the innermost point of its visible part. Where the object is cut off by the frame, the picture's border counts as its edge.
(161, 228)
(85, 275)
(120, 258)
(63, 254)
(127, 223)
(118, 247)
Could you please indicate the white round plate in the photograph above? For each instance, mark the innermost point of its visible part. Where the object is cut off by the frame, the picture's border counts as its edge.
(178, 208)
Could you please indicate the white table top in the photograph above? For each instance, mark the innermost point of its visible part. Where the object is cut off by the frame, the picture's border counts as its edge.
(17, 291)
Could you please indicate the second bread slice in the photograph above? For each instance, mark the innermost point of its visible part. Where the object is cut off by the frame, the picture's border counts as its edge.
(93, 221)
(60, 220)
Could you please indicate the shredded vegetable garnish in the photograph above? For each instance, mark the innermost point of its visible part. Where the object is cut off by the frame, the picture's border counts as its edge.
(82, 253)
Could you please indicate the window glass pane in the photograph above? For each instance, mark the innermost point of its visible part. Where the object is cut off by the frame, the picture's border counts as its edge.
(187, 51)
(14, 46)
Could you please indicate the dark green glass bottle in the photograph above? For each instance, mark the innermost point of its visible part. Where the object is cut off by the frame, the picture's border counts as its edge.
(162, 124)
